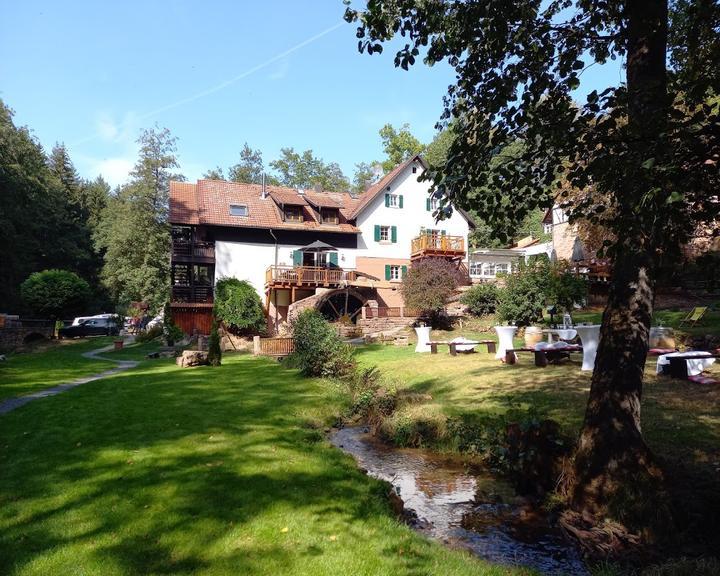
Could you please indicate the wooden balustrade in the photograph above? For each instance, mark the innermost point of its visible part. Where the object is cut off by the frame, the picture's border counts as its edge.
(193, 250)
(307, 275)
(437, 245)
(277, 347)
(192, 294)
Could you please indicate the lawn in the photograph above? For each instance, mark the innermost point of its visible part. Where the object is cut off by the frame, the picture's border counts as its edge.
(681, 420)
(163, 470)
(58, 363)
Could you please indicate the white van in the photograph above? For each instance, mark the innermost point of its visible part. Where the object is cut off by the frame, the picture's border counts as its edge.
(80, 319)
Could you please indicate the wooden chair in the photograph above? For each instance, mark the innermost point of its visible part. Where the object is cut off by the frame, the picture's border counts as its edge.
(694, 316)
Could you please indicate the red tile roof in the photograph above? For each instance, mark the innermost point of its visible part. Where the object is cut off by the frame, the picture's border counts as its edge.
(208, 202)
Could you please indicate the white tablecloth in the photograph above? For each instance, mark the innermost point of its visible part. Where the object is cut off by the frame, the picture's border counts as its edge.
(423, 337)
(590, 337)
(562, 333)
(695, 367)
(462, 347)
(505, 339)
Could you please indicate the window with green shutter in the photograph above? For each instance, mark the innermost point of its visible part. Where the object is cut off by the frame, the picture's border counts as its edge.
(333, 258)
(387, 200)
(404, 271)
(400, 201)
(377, 233)
(387, 271)
(297, 257)
(428, 205)
(393, 234)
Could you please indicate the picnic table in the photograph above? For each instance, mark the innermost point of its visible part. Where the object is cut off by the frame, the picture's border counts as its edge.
(453, 346)
(685, 364)
(543, 356)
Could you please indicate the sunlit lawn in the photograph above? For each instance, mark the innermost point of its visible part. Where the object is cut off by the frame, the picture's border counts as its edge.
(163, 470)
(27, 372)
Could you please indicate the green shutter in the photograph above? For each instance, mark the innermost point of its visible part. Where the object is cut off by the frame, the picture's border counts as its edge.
(404, 271)
(377, 233)
(297, 258)
(428, 205)
(442, 232)
(387, 271)
(400, 201)
(334, 258)
(387, 200)
(393, 234)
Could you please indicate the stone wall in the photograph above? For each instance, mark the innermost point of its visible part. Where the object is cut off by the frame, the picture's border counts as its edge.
(563, 239)
(14, 337)
(372, 325)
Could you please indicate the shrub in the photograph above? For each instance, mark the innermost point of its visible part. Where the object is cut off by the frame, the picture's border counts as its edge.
(149, 334)
(56, 293)
(481, 299)
(171, 331)
(238, 306)
(318, 349)
(429, 284)
(214, 351)
(522, 299)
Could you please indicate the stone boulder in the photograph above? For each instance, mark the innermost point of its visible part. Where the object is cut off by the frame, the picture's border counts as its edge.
(192, 358)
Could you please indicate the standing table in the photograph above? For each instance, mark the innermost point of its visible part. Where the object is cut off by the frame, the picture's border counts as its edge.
(505, 340)
(590, 337)
(423, 338)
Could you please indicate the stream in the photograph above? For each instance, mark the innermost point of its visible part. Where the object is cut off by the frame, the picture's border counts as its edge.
(475, 511)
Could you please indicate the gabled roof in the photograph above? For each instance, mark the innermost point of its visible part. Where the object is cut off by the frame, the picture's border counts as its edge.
(322, 199)
(208, 202)
(376, 189)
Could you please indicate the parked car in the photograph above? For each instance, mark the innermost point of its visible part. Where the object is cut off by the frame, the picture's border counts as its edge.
(80, 319)
(90, 327)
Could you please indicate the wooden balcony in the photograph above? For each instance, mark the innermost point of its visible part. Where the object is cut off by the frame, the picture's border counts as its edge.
(198, 252)
(428, 245)
(192, 294)
(279, 276)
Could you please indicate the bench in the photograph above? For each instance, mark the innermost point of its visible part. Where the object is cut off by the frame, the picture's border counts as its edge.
(491, 346)
(542, 357)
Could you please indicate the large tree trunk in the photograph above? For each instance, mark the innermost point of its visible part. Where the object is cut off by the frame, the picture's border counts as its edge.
(614, 473)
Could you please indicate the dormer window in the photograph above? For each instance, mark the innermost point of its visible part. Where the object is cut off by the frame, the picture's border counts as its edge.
(294, 213)
(329, 216)
(238, 210)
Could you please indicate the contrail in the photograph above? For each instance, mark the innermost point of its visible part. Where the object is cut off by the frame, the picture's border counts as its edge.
(229, 82)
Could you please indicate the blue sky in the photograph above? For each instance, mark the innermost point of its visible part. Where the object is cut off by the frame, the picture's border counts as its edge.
(217, 74)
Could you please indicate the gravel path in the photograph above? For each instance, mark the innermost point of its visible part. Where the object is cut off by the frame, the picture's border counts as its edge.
(13, 403)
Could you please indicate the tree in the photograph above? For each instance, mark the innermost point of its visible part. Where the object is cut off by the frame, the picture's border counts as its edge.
(366, 174)
(305, 171)
(56, 294)
(428, 285)
(650, 147)
(214, 350)
(398, 145)
(134, 232)
(37, 228)
(214, 174)
(238, 306)
(250, 168)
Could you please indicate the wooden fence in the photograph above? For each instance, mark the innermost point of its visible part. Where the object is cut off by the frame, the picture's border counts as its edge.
(277, 347)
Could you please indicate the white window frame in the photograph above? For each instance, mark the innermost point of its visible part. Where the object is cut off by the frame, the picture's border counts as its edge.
(395, 272)
(385, 231)
(506, 268)
(239, 208)
(393, 201)
(434, 203)
(476, 268)
(488, 269)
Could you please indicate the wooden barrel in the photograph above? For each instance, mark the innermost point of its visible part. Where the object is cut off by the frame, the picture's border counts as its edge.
(533, 335)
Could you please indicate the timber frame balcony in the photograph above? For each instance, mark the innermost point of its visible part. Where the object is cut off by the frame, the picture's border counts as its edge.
(294, 276)
(433, 245)
(192, 294)
(193, 251)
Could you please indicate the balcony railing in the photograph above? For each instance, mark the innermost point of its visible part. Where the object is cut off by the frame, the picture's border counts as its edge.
(435, 245)
(307, 275)
(192, 294)
(193, 250)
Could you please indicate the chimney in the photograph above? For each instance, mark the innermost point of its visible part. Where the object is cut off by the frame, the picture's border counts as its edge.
(263, 194)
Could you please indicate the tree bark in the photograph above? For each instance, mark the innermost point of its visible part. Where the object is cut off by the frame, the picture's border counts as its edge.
(614, 470)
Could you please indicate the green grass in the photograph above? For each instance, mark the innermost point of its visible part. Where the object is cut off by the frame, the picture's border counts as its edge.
(27, 372)
(680, 419)
(134, 351)
(164, 470)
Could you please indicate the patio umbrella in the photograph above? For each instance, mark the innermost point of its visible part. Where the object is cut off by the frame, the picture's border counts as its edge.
(578, 253)
(318, 247)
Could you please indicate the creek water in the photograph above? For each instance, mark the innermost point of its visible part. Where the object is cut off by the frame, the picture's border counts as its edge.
(472, 510)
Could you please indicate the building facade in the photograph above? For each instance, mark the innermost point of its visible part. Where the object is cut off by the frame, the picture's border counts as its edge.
(297, 245)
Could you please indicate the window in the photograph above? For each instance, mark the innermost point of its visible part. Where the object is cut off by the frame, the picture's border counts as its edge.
(547, 228)
(393, 201)
(414, 169)
(329, 216)
(475, 268)
(488, 269)
(502, 268)
(238, 210)
(384, 233)
(294, 213)
(434, 203)
(394, 272)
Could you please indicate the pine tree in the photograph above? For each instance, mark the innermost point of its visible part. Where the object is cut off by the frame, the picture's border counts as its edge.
(214, 351)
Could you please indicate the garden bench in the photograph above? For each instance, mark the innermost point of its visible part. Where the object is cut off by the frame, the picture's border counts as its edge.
(490, 344)
(542, 357)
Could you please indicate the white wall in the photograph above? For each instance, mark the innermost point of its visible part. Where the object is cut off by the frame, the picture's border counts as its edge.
(409, 219)
(249, 261)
